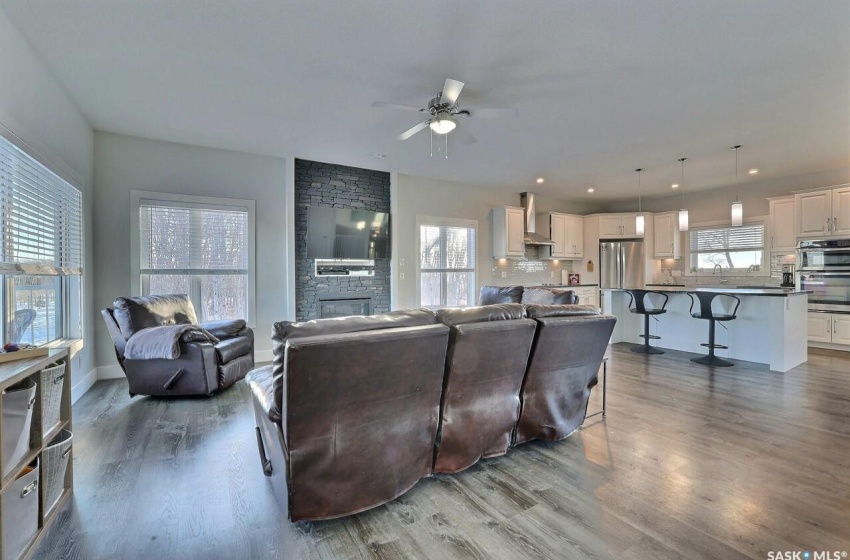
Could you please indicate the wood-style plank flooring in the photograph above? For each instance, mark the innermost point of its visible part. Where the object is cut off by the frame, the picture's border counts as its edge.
(691, 462)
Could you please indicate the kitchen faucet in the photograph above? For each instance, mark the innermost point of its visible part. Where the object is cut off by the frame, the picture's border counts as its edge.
(722, 281)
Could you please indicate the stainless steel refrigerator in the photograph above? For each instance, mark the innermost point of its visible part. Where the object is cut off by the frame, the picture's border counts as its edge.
(621, 264)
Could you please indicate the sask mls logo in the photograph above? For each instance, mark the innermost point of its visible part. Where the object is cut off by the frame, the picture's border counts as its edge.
(807, 555)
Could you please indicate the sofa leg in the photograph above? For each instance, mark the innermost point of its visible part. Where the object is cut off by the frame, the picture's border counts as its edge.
(267, 465)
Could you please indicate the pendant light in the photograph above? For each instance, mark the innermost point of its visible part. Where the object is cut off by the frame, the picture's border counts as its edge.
(683, 213)
(737, 206)
(640, 221)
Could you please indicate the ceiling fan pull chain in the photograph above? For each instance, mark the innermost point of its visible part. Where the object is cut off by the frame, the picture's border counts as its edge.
(432, 143)
(447, 146)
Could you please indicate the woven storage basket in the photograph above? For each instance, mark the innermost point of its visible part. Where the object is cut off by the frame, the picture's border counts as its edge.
(54, 463)
(52, 380)
(18, 401)
(19, 512)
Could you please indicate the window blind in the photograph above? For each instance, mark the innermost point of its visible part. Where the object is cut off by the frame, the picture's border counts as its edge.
(41, 232)
(448, 248)
(178, 238)
(743, 238)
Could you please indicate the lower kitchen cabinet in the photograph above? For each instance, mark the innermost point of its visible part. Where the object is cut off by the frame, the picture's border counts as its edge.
(830, 328)
(587, 296)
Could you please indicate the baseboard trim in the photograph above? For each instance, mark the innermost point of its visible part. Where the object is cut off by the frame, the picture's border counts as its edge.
(83, 385)
(263, 355)
(110, 372)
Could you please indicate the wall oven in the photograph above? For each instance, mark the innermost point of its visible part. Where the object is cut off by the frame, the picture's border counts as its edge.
(824, 270)
(828, 255)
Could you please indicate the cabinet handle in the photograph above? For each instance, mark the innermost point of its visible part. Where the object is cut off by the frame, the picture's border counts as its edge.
(834, 225)
(29, 488)
(827, 224)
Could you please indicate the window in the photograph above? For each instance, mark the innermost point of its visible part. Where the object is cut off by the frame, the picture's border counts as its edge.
(41, 246)
(737, 248)
(200, 246)
(446, 263)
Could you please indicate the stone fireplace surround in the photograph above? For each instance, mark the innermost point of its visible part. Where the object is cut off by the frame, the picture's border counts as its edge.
(337, 186)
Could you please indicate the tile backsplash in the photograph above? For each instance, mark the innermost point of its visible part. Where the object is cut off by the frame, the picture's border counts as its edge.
(528, 270)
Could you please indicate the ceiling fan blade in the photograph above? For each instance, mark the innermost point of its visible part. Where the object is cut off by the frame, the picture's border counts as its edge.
(385, 105)
(463, 135)
(410, 132)
(451, 90)
(493, 112)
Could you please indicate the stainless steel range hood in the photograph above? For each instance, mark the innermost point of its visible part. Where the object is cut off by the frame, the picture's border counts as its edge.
(531, 235)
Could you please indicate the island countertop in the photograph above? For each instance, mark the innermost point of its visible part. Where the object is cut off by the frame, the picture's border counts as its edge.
(770, 292)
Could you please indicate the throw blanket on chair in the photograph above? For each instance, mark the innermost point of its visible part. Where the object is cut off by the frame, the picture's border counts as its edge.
(164, 342)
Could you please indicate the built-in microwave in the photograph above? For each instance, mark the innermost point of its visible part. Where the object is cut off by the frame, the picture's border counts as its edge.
(826, 255)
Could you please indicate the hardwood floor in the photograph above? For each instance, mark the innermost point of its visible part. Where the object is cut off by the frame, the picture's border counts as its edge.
(691, 462)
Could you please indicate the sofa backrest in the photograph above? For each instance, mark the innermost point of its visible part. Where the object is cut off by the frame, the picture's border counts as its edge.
(489, 295)
(361, 416)
(540, 310)
(547, 295)
(133, 314)
(485, 363)
(562, 368)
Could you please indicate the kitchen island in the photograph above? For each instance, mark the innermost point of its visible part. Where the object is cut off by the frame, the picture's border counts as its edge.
(770, 327)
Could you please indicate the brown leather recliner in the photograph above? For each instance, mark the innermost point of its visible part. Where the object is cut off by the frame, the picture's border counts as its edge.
(347, 414)
(488, 295)
(485, 365)
(568, 347)
(202, 367)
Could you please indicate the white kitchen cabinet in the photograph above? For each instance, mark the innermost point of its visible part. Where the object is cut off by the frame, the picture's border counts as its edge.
(667, 241)
(820, 327)
(587, 295)
(566, 231)
(841, 211)
(574, 236)
(829, 327)
(508, 232)
(823, 213)
(841, 329)
(616, 226)
(783, 234)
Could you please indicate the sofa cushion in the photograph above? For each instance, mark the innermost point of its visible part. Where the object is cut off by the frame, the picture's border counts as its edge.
(137, 313)
(499, 294)
(549, 296)
(232, 348)
(481, 314)
(263, 386)
(539, 310)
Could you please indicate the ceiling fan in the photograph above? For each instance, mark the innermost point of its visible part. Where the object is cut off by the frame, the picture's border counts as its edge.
(445, 113)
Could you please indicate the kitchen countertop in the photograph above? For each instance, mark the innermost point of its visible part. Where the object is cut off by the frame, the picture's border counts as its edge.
(770, 292)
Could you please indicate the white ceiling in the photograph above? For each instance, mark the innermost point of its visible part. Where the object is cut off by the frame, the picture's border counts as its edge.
(602, 87)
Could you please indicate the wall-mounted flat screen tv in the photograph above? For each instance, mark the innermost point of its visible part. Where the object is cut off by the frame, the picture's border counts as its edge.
(345, 233)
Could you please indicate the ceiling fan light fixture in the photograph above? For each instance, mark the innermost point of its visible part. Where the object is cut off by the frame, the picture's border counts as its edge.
(442, 126)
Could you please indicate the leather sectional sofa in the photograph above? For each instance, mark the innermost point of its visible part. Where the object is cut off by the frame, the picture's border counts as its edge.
(355, 410)
(521, 294)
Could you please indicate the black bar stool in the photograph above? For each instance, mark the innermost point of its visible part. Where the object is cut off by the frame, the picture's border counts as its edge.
(705, 312)
(637, 304)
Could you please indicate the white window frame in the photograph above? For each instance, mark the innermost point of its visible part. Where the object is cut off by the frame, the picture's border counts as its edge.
(72, 290)
(764, 271)
(214, 202)
(450, 222)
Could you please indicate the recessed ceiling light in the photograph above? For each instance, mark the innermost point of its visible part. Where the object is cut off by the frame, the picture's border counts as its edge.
(674, 186)
(539, 180)
(591, 190)
(753, 171)
(379, 156)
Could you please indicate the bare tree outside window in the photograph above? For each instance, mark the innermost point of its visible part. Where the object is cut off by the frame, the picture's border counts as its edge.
(730, 247)
(447, 266)
(202, 252)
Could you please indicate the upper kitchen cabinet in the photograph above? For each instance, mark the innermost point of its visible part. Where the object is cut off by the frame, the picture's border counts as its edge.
(823, 213)
(508, 232)
(783, 238)
(618, 226)
(567, 233)
(667, 241)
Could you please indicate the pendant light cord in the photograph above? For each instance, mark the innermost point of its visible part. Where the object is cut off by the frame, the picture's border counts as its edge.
(683, 160)
(736, 148)
(640, 208)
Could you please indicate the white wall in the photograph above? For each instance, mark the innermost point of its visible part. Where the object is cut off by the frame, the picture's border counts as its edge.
(424, 197)
(124, 163)
(715, 204)
(36, 109)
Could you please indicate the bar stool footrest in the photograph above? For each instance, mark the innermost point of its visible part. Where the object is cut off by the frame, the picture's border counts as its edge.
(715, 346)
(650, 336)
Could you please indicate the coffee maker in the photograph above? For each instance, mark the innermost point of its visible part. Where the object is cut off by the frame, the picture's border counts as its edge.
(788, 275)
